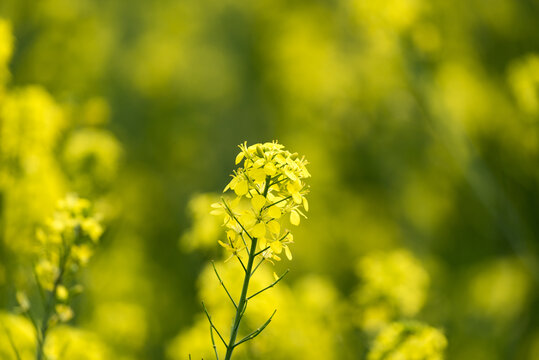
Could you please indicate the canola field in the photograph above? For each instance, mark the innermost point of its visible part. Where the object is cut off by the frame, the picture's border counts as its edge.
(277, 180)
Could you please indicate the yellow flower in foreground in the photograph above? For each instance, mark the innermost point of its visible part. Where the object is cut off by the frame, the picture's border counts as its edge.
(269, 188)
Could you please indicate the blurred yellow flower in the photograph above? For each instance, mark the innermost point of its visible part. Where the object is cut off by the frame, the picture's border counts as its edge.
(499, 289)
(523, 76)
(408, 341)
(392, 285)
(6, 48)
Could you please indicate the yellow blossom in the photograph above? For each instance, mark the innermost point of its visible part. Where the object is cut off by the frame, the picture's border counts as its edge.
(270, 184)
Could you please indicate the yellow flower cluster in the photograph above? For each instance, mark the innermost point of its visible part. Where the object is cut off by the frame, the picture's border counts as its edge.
(393, 285)
(64, 245)
(67, 238)
(524, 80)
(205, 228)
(408, 340)
(91, 157)
(269, 187)
(17, 342)
(6, 48)
(499, 289)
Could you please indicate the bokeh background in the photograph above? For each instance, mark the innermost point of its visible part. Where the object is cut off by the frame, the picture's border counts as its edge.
(420, 120)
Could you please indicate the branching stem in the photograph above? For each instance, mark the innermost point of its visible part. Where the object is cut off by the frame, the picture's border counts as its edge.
(213, 326)
(223, 285)
(269, 286)
(242, 304)
(49, 306)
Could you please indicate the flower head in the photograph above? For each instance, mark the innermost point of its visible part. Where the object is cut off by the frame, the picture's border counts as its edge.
(67, 240)
(408, 340)
(269, 187)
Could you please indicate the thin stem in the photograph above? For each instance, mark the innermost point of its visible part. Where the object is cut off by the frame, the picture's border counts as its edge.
(267, 186)
(213, 343)
(39, 287)
(277, 202)
(261, 251)
(242, 304)
(245, 243)
(241, 262)
(257, 331)
(213, 326)
(250, 182)
(235, 218)
(257, 266)
(267, 247)
(223, 285)
(269, 286)
(51, 302)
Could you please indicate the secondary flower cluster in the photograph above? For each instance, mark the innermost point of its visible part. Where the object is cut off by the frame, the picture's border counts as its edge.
(65, 244)
(269, 187)
(408, 340)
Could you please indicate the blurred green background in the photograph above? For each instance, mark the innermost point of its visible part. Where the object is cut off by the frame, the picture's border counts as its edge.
(420, 120)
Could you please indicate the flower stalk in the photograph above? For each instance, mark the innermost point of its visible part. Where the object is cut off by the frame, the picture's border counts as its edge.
(268, 186)
(64, 246)
(242, 304)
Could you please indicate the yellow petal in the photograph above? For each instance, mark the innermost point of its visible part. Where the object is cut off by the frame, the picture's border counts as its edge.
(231, 184)
(288, 253)
(62, 293)
(231, 234)
(305, 204)
(274, 212)
(65, 313)
(22, 300)
(259, 163)
(294, 187)
(262, 243)
(290, 174)
(289, 238)
(280, 159)
(241, 187)
(248, 219)
(234, 203)
(294, 218)
(275, 276)
(297, 197)
(259, 151)
(276, 246)
(226, 246)
(259, 230)
(270, 169)
(274, 227)
(239, 157)
(258, 175)
(258, 201)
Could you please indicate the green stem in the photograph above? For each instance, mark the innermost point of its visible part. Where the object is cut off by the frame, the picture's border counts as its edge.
(49, 307)
(242, 304)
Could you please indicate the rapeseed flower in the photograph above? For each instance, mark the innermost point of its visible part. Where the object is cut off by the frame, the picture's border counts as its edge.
(64, 245)
(268, 187)
(408, 340)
